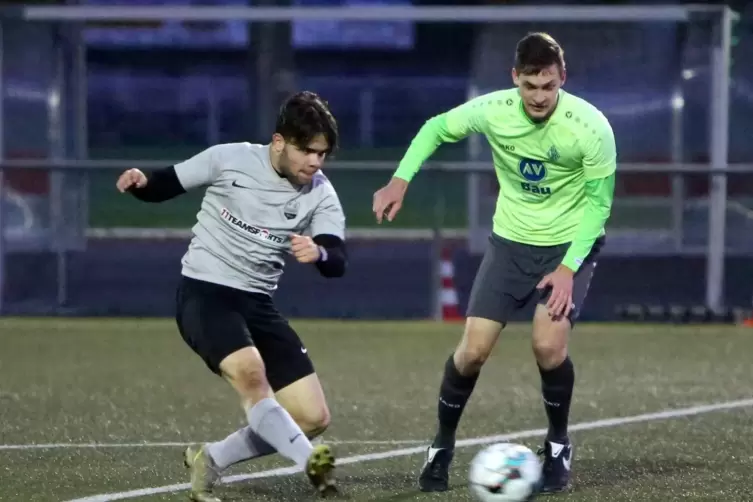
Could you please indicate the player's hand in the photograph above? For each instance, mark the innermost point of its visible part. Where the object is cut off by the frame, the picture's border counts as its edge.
(561, 299)
(389, 199)
(304, 249)
(131, 178)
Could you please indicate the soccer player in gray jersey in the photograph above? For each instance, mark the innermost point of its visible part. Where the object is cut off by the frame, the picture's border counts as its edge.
(261, 203)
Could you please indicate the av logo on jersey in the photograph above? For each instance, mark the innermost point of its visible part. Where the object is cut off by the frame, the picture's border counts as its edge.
(291, 209)
(534, 172)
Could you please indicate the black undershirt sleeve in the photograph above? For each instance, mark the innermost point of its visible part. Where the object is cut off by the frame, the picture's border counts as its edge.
(162, 184)
(334, 259)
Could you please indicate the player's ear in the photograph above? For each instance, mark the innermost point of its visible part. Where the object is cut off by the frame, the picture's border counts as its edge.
(278, 143)
(515, 79)
(564, 76)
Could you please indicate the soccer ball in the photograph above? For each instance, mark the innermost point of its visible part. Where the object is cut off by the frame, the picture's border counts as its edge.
(505, 472)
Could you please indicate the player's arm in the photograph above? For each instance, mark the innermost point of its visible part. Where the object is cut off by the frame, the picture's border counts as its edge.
(599, 165)
(449, 127)
(169, 182)
(328, 230)
(333, 256)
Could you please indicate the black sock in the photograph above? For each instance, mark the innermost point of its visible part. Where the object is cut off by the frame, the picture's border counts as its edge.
(453, 395)
(557, 389)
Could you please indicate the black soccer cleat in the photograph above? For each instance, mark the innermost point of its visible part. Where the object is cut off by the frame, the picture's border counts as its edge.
(555, 472)
(435, 474)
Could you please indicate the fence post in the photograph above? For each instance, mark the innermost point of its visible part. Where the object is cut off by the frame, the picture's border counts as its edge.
(2, 175)
(719, 143)
(436, 241)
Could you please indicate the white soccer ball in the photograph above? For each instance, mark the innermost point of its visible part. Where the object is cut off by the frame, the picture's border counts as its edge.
(505, 472)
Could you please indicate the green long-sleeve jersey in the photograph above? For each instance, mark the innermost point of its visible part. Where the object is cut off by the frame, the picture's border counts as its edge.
(556, 177)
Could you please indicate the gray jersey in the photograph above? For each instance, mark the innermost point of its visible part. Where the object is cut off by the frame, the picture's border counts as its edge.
(248, 215)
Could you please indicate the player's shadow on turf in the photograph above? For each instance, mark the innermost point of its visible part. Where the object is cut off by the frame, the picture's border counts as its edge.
(359, 487)
(595, 473)
(280, 489)
(394, 487)
(374, 486)
(367, 486)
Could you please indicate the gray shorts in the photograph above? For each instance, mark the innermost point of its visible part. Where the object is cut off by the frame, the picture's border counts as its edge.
(506, 280)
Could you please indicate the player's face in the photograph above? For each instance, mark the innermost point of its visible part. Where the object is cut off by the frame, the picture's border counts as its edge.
(539, 91)
(300, 164)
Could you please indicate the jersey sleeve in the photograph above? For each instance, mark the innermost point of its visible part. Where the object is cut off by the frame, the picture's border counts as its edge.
(599, 151)
(599, 197)
(201, 169)
(328, 217)
(449, 127)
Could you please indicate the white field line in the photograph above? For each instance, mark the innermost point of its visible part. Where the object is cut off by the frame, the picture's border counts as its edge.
(583, 426)
(168, 444)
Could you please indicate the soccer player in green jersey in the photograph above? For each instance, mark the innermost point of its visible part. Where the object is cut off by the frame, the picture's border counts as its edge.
(555, 159)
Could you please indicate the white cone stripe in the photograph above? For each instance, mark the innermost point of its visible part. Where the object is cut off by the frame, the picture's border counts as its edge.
(449, 297)
(446, 269)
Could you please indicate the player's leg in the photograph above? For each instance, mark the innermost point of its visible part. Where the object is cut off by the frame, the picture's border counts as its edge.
(303, 399)
(488, 310)
(291, 375)
(461, 371)
(211, 320)
(296, 388)
(557, 380)
(550, 347)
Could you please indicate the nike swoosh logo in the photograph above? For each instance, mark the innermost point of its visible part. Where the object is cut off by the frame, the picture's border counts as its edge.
(431, 453)
(567, 457)
(556, 449)
(294, 438)
(304, 350)
(566, 462)
(235, 184)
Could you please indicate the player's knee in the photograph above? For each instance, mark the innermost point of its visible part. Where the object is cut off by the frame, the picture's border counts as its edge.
(549, 352)
(251, 376)
(476, 346)
(246, 372)
(470, 357)
(251, 383)
(314, 420)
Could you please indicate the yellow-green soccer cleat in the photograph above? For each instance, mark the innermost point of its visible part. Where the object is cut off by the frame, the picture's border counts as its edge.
(204, 474)
(319, 469)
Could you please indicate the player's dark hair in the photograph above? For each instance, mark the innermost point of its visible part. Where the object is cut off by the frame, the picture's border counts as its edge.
(305, 115)
(537, 51)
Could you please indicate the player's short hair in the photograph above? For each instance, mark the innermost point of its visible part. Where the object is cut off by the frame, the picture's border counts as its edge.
(305, 115)
(537, 51)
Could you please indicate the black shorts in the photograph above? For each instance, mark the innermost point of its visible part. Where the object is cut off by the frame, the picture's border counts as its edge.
(216, 321)
(510, 271)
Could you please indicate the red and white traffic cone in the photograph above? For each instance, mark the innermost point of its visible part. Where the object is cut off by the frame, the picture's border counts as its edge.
(749, 320)
(449, 295)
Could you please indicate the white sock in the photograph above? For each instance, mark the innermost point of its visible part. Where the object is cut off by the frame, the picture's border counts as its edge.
(243, 444)
(273, 424)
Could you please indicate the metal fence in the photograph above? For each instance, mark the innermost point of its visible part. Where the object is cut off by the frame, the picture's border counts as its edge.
(663, 75)
(72, 244)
